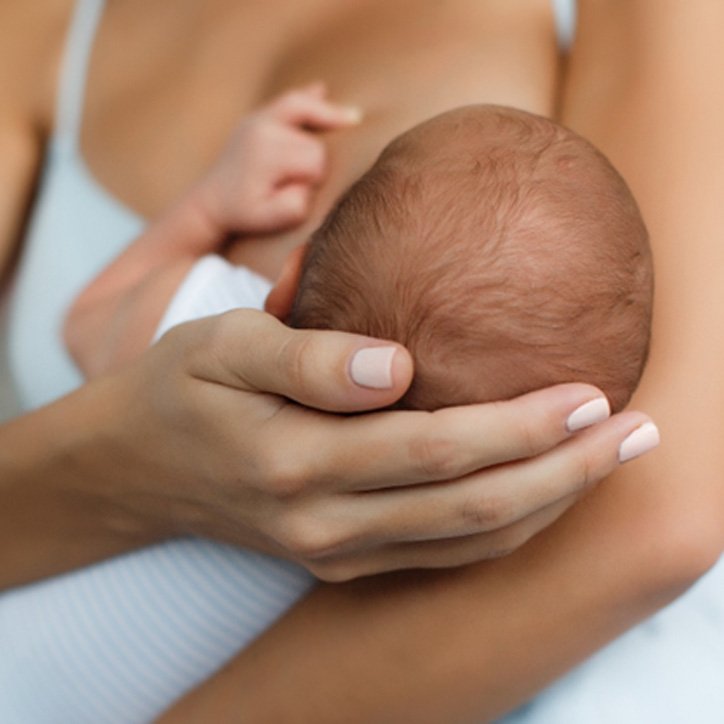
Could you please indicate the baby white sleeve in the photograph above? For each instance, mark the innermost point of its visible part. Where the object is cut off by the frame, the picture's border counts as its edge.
(213, 286)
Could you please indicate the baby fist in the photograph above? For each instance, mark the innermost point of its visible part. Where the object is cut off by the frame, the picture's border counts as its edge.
(265, 177)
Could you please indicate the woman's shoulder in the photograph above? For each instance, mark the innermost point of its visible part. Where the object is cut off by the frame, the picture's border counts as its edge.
(32, 36)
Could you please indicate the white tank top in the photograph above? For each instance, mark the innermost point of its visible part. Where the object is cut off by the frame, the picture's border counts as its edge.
(75, 230)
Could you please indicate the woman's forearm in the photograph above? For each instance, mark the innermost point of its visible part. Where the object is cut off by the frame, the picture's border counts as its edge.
(57, 484)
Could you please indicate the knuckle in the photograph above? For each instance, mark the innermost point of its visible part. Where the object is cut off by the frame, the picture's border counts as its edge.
(501, 551)
(530, 435)
(185, 337)
(310, 540)
(296, 355)
(435, 456)
(588, 472)
(296, 535)
(220, 329)
(296, 206)
(213, 348)
(507, 541)
(581, 472)
(333, 571)
(174, 347)
(286, 476)
(486, 513)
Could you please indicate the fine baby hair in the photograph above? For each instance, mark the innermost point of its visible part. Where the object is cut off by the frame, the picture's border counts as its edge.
(501, 248)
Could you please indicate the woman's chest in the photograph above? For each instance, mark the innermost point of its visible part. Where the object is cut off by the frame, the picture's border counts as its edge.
(170, 79)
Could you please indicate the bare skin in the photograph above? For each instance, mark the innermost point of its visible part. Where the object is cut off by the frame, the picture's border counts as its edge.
(435, 58)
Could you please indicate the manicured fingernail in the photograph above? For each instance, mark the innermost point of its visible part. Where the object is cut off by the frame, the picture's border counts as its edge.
(640, 441)
(589, 413)
(372, 367)
(352, 114)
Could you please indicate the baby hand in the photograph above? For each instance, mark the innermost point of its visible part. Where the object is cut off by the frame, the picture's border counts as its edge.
(265, 177)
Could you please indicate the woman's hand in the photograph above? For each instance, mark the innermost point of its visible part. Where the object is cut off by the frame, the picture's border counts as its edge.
(212, 444)
(229, 428)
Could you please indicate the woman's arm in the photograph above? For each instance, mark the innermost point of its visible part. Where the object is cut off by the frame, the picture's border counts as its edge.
(19, 159)
(27, 58)
(470, 644)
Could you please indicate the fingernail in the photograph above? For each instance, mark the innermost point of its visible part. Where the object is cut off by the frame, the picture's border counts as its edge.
(589, 413)
(372, 367)
(352, 114)
(640, 441)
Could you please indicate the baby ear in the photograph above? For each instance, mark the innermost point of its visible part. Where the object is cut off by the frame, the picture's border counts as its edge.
(281, 297)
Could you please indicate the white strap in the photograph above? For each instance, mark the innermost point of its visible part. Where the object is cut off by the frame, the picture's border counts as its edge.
(74, 69)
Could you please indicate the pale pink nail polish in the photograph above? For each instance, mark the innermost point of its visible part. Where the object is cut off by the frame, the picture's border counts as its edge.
(589, 413)
(640, 441)
(372, 367)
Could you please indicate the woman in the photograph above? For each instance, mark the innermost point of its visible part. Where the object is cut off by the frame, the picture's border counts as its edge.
(132, 509)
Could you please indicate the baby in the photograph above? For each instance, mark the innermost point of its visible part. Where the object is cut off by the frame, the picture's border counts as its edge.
(503, 250)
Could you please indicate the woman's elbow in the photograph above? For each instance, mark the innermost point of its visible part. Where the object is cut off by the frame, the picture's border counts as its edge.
(682, 543)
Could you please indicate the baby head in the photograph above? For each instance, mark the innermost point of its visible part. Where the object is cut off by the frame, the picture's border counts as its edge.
(503, 250)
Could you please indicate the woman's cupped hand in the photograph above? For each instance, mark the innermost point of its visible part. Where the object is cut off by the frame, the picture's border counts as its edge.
(239, 429)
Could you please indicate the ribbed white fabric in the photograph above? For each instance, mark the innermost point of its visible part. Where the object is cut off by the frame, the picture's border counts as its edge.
(120, 641)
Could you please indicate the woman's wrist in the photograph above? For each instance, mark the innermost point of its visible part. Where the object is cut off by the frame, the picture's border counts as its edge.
(62, 488)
